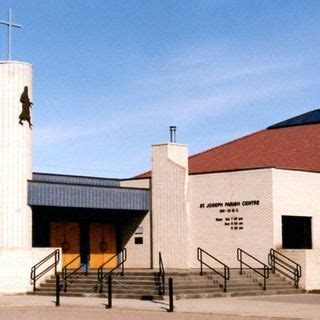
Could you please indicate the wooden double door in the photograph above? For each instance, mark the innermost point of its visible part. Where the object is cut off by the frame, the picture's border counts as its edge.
(96, 241)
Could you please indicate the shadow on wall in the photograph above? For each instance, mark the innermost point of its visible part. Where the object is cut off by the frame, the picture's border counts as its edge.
(128, 227)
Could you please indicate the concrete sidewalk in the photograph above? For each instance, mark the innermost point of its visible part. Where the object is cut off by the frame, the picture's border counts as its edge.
(305, 306)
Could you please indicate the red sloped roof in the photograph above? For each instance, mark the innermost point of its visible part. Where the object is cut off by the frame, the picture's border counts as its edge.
(296, 147)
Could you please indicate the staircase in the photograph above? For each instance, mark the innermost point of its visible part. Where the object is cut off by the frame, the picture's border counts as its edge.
(138, 284)
(210, 285)
(144, 284)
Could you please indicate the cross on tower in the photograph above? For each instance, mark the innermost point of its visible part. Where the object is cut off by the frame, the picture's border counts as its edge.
(10, 24)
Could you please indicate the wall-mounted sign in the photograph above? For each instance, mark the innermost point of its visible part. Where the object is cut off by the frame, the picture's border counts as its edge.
(231, 204)
(233, 221)
(139, 230)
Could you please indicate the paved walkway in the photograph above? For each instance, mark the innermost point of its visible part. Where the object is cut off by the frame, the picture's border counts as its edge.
(305, 306)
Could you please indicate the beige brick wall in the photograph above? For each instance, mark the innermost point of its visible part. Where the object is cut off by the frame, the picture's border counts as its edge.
(137, 183)
(138, 255)
(296, 193)
(170, 204)
(208, 224)
(309, 261)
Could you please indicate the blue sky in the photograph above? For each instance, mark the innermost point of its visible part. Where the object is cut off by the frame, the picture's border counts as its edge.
(110, 77)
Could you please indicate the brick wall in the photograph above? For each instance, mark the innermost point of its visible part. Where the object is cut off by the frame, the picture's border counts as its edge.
(139, 255)
(170, 204)
(296, 193)
(212, 228)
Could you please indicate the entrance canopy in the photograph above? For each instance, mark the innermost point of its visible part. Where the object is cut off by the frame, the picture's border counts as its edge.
(85, 192)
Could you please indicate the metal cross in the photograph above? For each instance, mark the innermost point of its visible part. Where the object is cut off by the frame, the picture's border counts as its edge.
(10, 25)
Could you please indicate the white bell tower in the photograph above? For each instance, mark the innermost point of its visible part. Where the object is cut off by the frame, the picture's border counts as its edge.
(15, 157)
(16, 253)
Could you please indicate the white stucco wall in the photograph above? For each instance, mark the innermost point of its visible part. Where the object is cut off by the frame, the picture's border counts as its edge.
(209, 230)
(15, 268)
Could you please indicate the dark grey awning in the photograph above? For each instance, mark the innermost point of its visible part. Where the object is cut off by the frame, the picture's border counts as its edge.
(42, 193)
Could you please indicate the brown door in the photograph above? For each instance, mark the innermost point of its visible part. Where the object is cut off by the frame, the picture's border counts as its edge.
(102, 245)
(66, 235)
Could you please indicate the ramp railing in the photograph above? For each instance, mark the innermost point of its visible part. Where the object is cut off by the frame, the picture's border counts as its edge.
(262, 271)
(66, 276)
(120, 259)
(34, 276)
(161, 276)
(285, 266)
(226, 270)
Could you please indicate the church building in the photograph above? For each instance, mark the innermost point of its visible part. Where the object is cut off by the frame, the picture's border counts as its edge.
(257, 193)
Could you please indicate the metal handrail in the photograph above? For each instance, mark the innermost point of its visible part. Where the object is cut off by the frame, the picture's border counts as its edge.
(285, 263)
(226, 269)
(162, 276)
(66, 275)
(34, 276)
(102, 276)
(265, 268)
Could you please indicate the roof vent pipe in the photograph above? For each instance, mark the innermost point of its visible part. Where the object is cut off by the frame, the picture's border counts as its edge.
(173, 130)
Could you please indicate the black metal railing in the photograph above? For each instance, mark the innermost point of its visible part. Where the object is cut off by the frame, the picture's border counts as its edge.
(120, 258)
(171, 306)
(262, 271)
(55, 255)
(66, 276)
(283, 264)
(161, 276)
(226, 270)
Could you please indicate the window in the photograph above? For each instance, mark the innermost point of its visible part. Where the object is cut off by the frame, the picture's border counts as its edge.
(296, 232)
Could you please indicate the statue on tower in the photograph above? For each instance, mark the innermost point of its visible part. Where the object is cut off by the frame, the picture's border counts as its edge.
(26, 105)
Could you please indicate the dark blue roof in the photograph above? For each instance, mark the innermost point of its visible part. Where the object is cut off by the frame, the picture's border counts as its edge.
(56, 190)
(86, 196)
(310, 117)
(71, 179)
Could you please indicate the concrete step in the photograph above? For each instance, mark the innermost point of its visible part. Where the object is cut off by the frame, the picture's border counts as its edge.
(53, 293)
(86, 285)
(114, 291)
(176, 281)
(230, 287)
(115, 280)
(148, 272)
(184, 278)
(199, 295)
(98, 295)
(76, 276)
(176, 285)
(179, 296)
(266, 292)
